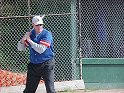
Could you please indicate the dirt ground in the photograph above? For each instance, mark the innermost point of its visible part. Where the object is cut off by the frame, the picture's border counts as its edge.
(95, 91)
(75, 91)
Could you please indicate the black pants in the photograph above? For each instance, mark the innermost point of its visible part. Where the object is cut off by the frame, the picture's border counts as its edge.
(38, 71)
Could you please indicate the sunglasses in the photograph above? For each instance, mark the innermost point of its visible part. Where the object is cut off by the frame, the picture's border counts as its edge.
(39, 25)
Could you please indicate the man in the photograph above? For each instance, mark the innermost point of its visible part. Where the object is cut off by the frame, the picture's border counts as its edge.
(40, 43)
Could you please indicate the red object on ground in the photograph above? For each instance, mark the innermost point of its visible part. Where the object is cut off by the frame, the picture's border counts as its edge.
(8, 78)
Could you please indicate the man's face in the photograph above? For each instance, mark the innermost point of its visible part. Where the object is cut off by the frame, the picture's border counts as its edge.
(38, 28)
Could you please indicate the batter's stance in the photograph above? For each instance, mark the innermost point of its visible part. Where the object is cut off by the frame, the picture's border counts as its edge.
(40, 43)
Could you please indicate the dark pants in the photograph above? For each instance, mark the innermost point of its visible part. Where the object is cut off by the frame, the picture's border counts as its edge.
(38, 71)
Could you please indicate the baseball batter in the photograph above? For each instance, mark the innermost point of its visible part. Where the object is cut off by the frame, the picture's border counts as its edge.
(40, 43)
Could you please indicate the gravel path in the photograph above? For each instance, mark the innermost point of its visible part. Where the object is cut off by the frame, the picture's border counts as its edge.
(97, 91)
(73, 91)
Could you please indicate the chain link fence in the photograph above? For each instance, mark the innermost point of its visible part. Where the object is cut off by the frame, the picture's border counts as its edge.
(60, 18)
(102, 28)
(102, 32)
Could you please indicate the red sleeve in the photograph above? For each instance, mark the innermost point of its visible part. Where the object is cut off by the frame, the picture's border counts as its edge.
(45, 43)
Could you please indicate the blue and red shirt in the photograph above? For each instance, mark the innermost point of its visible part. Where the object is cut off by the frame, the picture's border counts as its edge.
(45, 38)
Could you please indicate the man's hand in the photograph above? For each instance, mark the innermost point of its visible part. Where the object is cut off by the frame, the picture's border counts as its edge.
(27, 35)
(25, 38)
